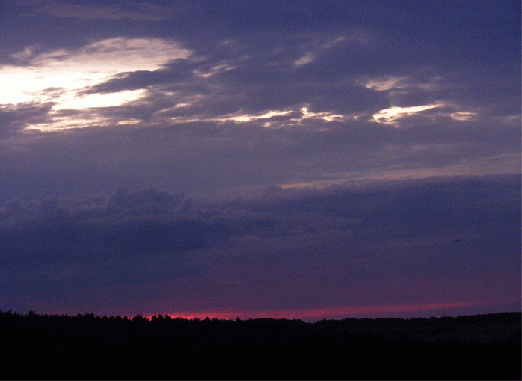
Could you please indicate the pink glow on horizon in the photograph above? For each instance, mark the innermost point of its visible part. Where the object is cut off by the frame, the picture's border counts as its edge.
(339, 312)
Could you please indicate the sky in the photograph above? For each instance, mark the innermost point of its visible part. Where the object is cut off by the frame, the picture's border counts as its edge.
(298, 159)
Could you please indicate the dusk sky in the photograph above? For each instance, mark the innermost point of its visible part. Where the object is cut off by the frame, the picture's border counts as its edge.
(298, 159)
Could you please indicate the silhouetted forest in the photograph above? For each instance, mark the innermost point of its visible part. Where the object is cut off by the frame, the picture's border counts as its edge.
(92, 347)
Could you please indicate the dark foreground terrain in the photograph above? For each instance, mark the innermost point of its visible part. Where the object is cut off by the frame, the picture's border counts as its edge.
(90, 347)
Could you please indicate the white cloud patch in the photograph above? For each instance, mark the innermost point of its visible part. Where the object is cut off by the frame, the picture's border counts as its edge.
(463, 116)
(306, 58)
(393, 114)
(357, 37)
(272, 118)
(60, 76)
(325, 116)
(249, 118)
(401, 90)
(214, 70)
(404, 83)
(383, 84)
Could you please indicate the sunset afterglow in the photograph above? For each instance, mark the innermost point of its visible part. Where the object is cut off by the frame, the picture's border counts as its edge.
(298, 159)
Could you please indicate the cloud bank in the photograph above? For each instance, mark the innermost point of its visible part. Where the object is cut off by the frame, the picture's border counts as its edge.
(402, 243)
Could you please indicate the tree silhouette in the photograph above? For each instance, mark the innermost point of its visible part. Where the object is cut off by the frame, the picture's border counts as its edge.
(166, 347)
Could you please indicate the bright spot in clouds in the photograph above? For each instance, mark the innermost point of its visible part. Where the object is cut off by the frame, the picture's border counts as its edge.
(305, 114)
(383, 84)
(463, 116)
(249, 118)
(60, 76)
(326, 116)
(99, 100)
(393, 114)
(391, 83)
(307, 58)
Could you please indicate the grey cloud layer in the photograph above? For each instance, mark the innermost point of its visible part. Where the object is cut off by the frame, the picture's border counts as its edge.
(351, 240)
(203, 123)
(205, 158)
(13, 119)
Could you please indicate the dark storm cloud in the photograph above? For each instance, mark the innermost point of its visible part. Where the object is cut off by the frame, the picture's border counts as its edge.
(14, 118)
(126, 238)
(349, 239)
(132, 223)
(179, 71)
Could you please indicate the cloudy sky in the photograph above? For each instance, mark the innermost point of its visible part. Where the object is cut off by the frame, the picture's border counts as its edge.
(301, 159)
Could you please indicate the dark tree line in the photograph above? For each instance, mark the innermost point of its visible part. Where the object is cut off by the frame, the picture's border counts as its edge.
(93, 347)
